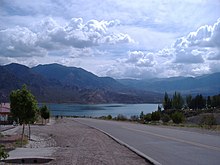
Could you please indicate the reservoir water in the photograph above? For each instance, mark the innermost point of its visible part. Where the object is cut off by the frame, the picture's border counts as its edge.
(97, 110)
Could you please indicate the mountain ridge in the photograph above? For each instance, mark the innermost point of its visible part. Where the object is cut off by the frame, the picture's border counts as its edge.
(205, 84)
(59, 84)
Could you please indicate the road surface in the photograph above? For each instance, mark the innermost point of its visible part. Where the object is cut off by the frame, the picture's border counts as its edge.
(165, 145)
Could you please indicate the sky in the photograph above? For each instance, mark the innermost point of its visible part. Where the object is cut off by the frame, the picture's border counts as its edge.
(138, 39)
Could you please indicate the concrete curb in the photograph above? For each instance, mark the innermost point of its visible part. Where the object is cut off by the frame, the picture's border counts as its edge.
(141, 154)
(28, 160)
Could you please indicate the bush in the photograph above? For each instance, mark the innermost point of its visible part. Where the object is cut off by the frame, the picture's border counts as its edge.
(178, 117)
(147, 117)
(109, 117)
(3, 154)
(165, 118)
(134, 118)
(208, 119)
(155, 116)
(121, 117)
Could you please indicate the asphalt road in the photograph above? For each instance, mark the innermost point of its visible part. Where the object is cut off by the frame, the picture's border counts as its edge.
(165, 145)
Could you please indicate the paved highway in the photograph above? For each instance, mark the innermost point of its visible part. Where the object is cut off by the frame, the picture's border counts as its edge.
(165, 145)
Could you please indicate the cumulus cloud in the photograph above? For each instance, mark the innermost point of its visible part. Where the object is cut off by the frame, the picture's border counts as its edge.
(206, 38)
(141, 59)
(78, 34)
(19, 42)
(191, 55)
(188, 56)
(47, 36)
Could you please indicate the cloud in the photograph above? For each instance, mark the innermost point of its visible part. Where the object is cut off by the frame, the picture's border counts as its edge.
(205, 36)
(139, 44)
(191, 55)
(19, 42)
(78, 34)
(140, 59)
(213, 55)
(47, 36)
(188, 56)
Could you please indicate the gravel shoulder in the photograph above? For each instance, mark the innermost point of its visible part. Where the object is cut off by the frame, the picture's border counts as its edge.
(70, 142)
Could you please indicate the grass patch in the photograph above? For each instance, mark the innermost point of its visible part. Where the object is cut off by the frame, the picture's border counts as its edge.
(17, 143)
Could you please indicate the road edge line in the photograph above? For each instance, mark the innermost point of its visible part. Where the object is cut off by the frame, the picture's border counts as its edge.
(139, 153)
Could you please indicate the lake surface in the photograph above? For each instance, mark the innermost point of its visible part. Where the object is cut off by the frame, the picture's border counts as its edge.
(98, 110)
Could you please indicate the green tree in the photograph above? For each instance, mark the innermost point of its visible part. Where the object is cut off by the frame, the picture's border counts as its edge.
(198, 102)
(177, 101)
(3, 154)
(142, 116)
(23, 107)
(166, 102)
(44, 113)
(209, 102)
(216, 101)
(189, 101)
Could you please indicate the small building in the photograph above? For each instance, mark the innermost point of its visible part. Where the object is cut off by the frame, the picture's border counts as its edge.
(5, 112)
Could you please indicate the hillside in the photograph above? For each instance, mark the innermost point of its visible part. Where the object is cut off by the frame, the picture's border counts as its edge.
(61, 84)
(206, 84)
(72, 76)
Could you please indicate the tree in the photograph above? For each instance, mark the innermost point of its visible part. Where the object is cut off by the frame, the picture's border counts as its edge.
(198, 102)
(189, 101)
(3, 154)
(23, 107)
(209, 102)
(177, 101)
(44, 112)
(166, 102)
(142, 116)
(216, 101)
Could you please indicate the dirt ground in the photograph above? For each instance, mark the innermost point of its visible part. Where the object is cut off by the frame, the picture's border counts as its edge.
(79, 144)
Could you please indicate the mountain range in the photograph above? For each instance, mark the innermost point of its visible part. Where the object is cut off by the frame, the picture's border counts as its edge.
(61, 84)
(206, 84)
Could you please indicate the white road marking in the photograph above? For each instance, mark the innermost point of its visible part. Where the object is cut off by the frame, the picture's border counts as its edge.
(176, 139)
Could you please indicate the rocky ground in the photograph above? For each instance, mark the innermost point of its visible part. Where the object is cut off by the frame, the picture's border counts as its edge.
(70, 142)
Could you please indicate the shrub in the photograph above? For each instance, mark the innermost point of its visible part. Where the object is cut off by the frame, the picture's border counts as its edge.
(165, 118)
(208, 119)
(155, 116)
(109, 117)
(134, 118)
(121, 117)
(147, 117)
(178, 117)
(3, 154)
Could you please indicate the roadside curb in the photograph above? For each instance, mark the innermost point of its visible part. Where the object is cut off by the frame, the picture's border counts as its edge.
(144, 156)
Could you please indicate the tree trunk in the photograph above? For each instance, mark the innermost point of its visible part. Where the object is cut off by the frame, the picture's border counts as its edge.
(29, 135)
(22, 136)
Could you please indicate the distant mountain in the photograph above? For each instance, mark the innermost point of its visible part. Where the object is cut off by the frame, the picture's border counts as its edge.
(72, 76)
(206, 84)
(57, 83)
